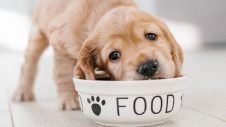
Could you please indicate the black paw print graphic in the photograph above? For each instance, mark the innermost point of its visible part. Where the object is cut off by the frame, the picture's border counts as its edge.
(96, 104)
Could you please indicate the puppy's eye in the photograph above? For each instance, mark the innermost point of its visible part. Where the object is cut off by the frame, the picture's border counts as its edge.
(151, 36)
(115, 55)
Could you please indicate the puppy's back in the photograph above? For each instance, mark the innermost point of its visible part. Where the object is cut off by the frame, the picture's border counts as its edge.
(48, 10)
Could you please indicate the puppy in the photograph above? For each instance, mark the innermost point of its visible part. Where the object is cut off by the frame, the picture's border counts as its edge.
(111, 35)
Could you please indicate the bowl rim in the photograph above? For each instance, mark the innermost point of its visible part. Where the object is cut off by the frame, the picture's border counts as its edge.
(184, 77)
(133, 87)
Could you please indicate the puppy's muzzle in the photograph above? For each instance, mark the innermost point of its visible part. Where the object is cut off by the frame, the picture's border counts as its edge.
(148, 69)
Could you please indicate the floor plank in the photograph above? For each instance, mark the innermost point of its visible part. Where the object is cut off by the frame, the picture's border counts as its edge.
(206, 89)
(3, 101)
(46, 114)
(191, 118)
(5, 118)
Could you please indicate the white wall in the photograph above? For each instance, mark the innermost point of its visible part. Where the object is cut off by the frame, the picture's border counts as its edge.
(24, 6)
(15, 23)
(208, 15)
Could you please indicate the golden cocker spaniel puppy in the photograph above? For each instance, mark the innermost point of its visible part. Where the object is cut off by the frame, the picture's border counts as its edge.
(111, 35)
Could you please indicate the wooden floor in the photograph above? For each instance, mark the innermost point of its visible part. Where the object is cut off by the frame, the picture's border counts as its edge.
(204, 101)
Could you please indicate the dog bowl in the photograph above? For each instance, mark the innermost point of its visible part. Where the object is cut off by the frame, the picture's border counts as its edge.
(130, 103)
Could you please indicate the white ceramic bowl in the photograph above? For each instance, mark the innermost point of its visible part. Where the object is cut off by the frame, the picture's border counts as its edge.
(130, 103)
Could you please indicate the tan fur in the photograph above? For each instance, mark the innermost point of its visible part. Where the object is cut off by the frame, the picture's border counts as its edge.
(126, 34)
(84, 32)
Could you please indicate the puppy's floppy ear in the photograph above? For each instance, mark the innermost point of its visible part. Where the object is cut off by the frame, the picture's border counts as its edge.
(85, 67)
(176, 51)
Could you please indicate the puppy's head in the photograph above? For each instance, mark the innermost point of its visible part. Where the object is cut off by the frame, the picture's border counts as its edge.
(130, 44)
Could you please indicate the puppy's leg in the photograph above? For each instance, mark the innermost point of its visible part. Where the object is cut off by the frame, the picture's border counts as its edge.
(37, 44)
(63, 74)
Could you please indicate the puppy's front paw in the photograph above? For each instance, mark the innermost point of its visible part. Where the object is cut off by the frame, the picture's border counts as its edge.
(23, 95)
(70, 103)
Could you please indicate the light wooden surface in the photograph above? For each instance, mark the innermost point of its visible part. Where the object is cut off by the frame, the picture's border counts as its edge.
(5, 118)
(204, 101)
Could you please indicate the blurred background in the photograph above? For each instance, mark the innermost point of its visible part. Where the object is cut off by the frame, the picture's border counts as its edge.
(195, 23)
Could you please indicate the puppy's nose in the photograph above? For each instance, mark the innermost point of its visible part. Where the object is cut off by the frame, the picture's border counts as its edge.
(148, 69)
